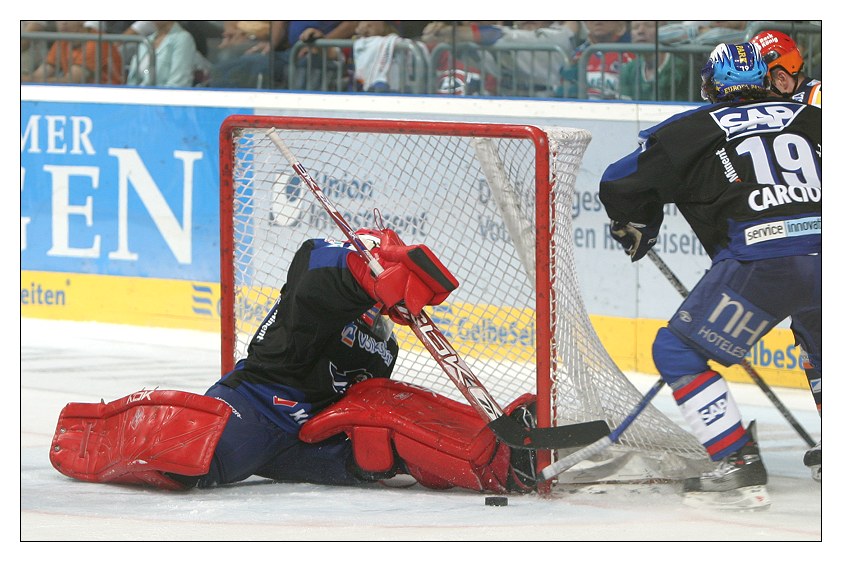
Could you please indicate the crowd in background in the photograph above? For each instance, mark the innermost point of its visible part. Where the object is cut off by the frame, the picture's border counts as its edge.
(595, 59)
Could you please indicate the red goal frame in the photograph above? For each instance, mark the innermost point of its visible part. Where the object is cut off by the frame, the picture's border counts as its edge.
(543, 238)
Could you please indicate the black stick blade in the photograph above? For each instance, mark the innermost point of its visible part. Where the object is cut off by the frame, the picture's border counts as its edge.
(517, 436)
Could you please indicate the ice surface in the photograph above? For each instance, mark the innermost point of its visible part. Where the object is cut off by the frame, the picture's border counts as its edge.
(65, 362)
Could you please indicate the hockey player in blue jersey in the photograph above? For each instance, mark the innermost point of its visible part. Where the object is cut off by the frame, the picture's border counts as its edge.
(745, 173)
(313, 400)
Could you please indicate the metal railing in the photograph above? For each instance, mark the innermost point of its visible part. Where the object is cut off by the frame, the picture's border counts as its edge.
(518, 68)
(529, 69)
(694, 55)
(807, 36)
(335, 71)
(43, 40)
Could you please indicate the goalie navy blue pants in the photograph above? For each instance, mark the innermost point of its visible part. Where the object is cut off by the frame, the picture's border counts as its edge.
(251, 444)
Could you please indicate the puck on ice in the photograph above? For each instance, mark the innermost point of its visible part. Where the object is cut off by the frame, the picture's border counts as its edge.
(496, 500)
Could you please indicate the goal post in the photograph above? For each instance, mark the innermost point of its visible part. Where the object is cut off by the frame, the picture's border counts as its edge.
(494, 202)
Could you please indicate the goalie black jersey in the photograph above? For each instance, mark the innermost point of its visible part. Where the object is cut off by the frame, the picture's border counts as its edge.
(322, 335)
(745, 175)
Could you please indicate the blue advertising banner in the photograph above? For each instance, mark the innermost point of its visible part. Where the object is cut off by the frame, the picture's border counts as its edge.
(119, 208)
(127, 190)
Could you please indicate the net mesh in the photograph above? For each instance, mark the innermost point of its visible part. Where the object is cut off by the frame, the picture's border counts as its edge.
(472, 200)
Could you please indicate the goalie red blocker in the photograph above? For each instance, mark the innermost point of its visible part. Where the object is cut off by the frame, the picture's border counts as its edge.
(442, 443)
(412, 274)
(137, 438)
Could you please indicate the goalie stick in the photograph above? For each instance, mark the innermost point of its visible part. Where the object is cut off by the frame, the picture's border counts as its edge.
(749, 368)
(505, 428)
(603, 443)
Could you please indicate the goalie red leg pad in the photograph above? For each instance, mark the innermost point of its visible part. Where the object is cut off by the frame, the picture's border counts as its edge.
(442, 443)
(135, 439)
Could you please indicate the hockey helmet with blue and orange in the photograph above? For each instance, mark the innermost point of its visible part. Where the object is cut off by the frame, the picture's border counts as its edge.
(734, 72)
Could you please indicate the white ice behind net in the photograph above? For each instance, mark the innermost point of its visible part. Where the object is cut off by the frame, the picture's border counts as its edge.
(433, 189)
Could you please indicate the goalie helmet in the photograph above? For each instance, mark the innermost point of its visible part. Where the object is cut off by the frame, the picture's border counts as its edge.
(779, 50)
(734, 72)
(370, 237)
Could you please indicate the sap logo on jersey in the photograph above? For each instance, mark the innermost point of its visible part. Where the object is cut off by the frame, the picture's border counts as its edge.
(714, 410)
(757, 117)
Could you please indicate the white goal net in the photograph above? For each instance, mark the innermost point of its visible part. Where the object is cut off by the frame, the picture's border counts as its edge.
(494, 203)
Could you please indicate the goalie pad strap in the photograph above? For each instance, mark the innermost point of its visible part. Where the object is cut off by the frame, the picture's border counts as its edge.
(441, 442)
(134, 439)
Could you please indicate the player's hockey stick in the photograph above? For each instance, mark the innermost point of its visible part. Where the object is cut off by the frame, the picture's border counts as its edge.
(749, 368)
(507, 430)
(571, 460)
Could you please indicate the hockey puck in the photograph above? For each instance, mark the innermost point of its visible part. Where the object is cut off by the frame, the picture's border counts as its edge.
(496, 500)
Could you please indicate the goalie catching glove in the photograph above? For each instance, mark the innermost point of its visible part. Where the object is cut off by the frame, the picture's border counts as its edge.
(635, 238)
(411, 274)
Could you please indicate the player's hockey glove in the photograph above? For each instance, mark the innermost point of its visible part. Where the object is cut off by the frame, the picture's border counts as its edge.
(635, 238)
(412, 275)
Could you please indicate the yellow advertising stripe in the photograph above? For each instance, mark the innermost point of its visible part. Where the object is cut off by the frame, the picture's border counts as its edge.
(475, 330)
(139, 301)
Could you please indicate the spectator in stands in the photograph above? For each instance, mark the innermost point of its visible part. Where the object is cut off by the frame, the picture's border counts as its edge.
(175, 58)
(469, 72)
(638, 77)
(379, 28)
(75, 62)
(238, 37)
(412, 29)
(376, 65)
(537, 73)
(202, 32)
(33, 53)
(255, 67)
(721, 31)
(602, 71)
(521, 71)
(267, 63)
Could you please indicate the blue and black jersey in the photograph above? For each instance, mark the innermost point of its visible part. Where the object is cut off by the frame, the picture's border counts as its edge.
(318, 338)
(745, 175)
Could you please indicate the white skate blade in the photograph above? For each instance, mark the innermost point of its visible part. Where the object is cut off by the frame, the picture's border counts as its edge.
(750, 497)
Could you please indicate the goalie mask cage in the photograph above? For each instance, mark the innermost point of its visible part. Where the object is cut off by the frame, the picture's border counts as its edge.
(494, 203)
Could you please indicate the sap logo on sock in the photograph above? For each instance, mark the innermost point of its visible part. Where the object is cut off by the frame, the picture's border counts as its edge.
(714, 410)
(757, 117)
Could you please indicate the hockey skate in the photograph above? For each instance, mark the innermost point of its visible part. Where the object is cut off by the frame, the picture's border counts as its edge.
(813, 460)
(738, 482)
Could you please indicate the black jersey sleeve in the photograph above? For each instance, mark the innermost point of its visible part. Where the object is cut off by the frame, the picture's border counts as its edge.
(319, 298)
(631, 192)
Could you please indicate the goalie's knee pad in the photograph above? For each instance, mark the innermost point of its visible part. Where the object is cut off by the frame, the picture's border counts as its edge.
(397, 427)
(161, 438)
